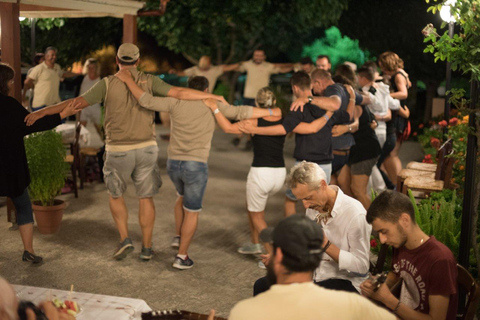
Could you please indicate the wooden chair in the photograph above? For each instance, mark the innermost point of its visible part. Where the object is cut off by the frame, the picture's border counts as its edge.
(425, 170)
(85, 153)
(468, 285)
(74, 157)
(426, 185)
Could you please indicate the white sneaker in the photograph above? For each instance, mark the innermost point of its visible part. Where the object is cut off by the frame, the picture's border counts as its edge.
(250, 248)
(261, 265)
(175, 242)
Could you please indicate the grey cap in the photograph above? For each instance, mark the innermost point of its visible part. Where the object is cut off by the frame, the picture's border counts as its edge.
(128, 52)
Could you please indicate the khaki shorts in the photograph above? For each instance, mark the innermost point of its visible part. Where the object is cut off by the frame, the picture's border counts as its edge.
(140, 165)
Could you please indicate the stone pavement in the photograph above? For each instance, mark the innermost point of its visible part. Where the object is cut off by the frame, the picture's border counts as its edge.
(81, 252)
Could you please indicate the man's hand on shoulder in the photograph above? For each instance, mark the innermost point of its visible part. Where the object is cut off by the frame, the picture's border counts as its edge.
(211, 103)
(221, 99)
(298, 104)
(124, 75)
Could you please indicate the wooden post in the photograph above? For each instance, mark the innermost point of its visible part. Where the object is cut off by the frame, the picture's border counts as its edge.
(10, 43)
(129, 29)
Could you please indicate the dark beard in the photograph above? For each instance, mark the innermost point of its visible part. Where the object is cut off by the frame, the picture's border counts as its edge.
(271, 277)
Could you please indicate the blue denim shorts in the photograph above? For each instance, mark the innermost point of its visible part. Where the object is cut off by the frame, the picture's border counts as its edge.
(190, 179)
(328, 172)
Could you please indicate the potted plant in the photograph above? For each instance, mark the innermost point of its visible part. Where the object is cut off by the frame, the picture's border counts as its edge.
(46, 161)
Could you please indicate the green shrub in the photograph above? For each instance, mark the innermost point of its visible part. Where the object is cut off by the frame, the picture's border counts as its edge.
(46, 162)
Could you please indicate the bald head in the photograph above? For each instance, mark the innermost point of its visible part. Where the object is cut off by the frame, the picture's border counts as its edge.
(8, 301)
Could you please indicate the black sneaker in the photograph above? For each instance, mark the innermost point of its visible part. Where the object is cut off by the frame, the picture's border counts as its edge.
(181, 264)
(146, 254)
(124, 248)
(30, 257)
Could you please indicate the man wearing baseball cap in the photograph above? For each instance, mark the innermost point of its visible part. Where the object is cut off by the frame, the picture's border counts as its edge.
(297, 251)
(131, 146)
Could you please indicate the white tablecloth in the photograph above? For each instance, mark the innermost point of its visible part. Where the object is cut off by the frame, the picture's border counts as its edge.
(68, 133)
(93, 306)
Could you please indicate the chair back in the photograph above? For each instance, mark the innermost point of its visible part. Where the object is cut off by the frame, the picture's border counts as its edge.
(442, 153)
(75, 147)
(468, 285)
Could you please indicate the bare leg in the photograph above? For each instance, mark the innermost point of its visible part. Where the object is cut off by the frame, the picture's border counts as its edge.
(334, 179)
(26, 233)
(146, 216)
(359, 189)
(290, 207)
(393, 165)
(120, 216)
(258, 221)
(344, 180)
(253, 234)
(189, 227)
(179, 215)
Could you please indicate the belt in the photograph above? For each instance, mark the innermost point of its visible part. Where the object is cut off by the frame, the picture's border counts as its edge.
(341, 152)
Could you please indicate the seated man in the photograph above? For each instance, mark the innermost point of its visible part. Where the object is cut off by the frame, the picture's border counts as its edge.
(426, 266)
(298, 247)
(192, 127)
(347, 234)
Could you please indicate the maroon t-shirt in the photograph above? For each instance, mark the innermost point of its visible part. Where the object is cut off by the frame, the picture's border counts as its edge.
(427, 270)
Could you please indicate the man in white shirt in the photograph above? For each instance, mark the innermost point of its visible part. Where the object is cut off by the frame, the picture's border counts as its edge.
(205, 69)
(297, 243)
(347, 234)
(45, 81)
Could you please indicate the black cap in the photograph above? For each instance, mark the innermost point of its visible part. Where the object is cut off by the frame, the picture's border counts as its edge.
(297, 236)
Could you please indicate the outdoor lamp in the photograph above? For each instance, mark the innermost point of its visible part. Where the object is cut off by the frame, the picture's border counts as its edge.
(445, 12)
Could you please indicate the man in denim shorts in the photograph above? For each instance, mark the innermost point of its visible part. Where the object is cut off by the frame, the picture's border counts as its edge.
(131, 146)
(192, 127)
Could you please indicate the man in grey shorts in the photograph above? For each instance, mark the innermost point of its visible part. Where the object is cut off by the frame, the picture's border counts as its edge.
(131, 146)
(192, 126)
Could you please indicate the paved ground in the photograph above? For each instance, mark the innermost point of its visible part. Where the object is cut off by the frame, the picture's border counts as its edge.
(80, 253)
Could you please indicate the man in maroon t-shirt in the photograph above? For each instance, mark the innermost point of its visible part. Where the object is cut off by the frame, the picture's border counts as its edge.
(426, 266)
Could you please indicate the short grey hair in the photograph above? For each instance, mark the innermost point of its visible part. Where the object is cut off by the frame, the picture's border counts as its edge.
(308, 173)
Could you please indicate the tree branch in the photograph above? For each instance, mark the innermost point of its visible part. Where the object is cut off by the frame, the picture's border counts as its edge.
(218, 46)
(190, 58)
(233, 41)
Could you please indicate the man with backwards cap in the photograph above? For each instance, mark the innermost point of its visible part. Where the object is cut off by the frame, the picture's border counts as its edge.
(297, 252)
(131, 146)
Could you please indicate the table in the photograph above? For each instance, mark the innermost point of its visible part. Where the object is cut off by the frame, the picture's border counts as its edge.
(68, 133)
(93, 306)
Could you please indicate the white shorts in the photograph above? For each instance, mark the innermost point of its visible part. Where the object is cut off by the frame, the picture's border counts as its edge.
(261, 183)
(92, 113)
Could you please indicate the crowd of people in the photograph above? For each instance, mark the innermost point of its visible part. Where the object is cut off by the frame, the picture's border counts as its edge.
(348, 129)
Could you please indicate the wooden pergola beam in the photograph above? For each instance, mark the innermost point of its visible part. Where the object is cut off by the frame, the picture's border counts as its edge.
(130, 29)
(10, 43)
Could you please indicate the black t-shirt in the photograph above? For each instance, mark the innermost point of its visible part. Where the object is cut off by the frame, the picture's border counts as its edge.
(366, 141)
(391, 128)
(316, 147)
(268, 150)
(346, 140)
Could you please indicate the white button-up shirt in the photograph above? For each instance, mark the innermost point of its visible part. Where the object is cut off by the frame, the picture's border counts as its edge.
(348, 230)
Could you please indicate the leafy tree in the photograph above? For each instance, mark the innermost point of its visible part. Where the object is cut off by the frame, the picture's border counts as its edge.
(74, 38)
(339, 49)
(231, 31)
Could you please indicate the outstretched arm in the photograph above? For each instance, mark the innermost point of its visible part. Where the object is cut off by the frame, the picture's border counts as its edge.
(247, 126)
(80, 103)
(331, 103)
(230, 67)
(314, 126)
(223, 122)
(174, 92)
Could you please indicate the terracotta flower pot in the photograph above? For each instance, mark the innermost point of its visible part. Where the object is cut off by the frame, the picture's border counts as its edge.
(48, 218)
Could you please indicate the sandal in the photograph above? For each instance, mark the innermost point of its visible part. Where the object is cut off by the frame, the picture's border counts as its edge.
(30, 257)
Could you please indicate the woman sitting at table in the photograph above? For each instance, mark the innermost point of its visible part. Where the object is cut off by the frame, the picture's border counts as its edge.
(14, 175)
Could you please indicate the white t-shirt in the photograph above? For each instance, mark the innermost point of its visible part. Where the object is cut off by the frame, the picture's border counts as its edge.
(258, 76)
(381, 101)
(211, 74)
(47, 84)
(348, 230)
(307, 301)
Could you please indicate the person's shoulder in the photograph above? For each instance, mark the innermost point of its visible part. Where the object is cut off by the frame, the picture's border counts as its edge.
(439, 251)
(8, 100)
(56, 66)
(243, 308)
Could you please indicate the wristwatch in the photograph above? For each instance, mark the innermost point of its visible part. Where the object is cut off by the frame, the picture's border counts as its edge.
(310, 99)
(216, 111)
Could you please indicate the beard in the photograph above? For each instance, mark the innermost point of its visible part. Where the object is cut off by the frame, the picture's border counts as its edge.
(403, 236)
(271, 276)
